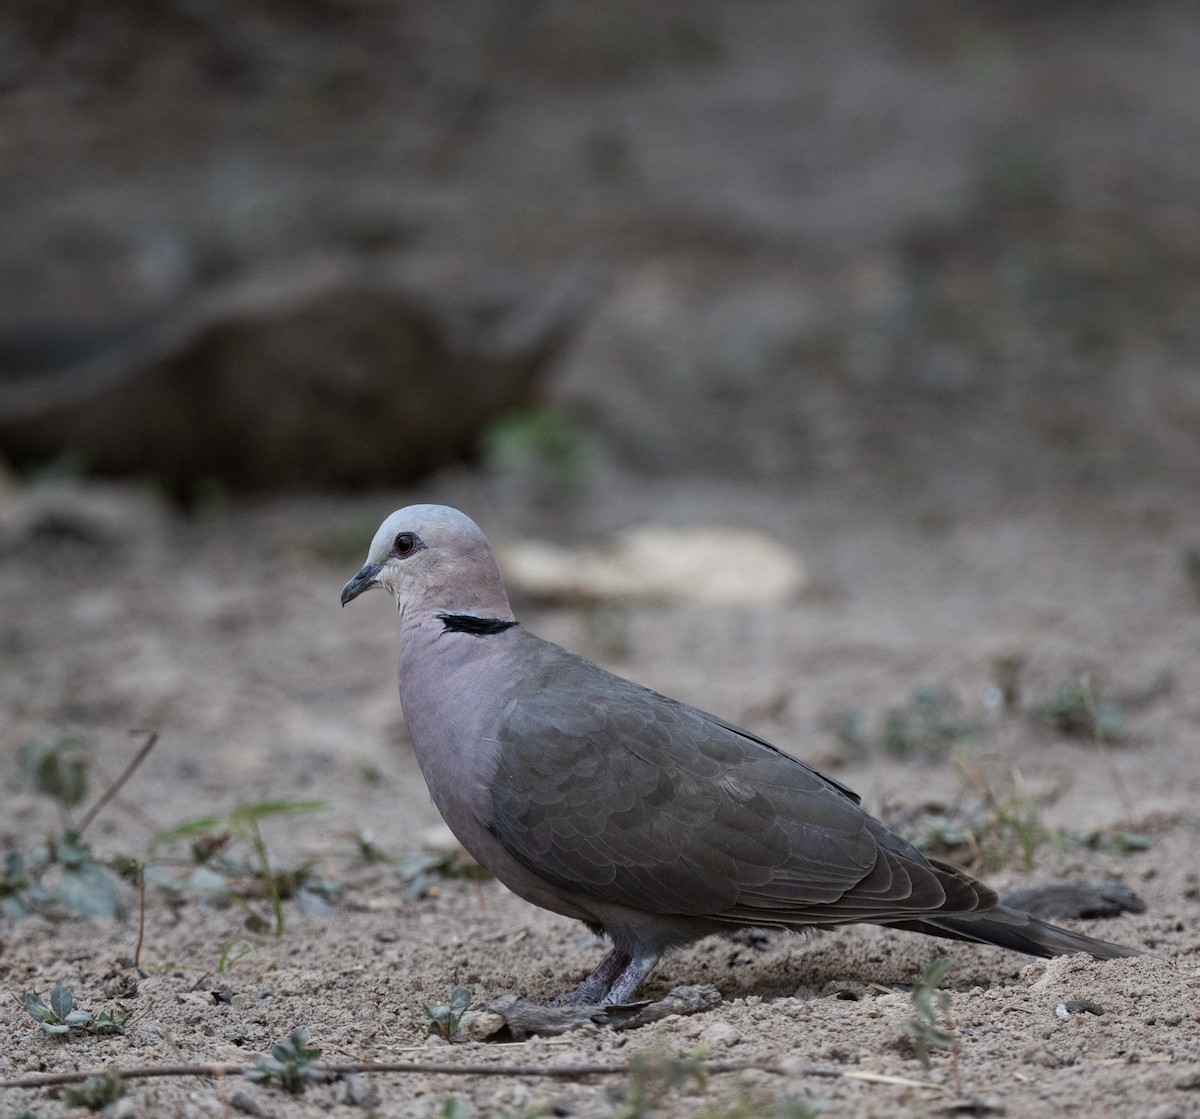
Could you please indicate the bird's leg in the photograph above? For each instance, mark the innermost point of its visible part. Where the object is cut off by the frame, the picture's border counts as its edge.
(589, 992)
(631, 978)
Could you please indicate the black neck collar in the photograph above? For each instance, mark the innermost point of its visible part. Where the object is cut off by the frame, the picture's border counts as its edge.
(478, 627)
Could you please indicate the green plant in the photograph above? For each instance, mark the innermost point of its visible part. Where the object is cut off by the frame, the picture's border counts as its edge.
(993, 834)
(83, 888)
(59, 1016)
(289, 1064)
(931, 1027)
(929, 727)
(548, 439)
(232, 952)
(992, 827)
(57, 769)
(1116, 843)
(444, 1020)
(61, 872)
(1019, 822)
(96, 1093)
(221, 872)
(1073, 710)
(990, 835)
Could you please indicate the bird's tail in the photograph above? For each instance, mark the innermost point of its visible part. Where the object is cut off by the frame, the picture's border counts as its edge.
(1012, 928)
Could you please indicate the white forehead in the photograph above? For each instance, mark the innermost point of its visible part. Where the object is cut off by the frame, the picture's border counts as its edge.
(437, 525)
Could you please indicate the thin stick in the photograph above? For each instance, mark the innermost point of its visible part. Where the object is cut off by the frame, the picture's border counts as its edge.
(558, 1072)
(115, 787)
(137, 948)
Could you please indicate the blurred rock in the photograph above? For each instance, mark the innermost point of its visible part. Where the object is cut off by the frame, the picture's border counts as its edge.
(343, 371)
(658, 562)
(1056, 901)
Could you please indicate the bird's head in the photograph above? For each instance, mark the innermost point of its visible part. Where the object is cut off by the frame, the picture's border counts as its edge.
(436, 558)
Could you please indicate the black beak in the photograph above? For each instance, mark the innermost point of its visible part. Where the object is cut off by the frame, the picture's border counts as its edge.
(363, 581)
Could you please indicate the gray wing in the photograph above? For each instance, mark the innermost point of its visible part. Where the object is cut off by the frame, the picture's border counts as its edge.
(607, 789)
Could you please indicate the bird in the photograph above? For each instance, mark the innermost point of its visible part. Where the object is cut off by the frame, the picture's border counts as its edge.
(653, 822)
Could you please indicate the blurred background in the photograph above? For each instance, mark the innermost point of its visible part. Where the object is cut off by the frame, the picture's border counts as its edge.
(916, 246)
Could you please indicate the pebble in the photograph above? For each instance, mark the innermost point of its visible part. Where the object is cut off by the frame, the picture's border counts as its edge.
(1075, 1006)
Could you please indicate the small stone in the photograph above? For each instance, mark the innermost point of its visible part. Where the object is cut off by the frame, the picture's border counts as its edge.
(248, 1105)
(479, 1025)
(1077, 1006)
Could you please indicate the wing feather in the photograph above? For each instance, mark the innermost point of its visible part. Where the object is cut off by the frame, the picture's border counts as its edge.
(609, 790)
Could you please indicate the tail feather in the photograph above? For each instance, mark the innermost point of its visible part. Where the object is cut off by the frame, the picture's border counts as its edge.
(1011, 928)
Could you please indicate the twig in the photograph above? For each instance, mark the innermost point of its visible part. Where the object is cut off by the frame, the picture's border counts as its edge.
(137, 948)
(115, 787)
(558, 1072)
(123, 802)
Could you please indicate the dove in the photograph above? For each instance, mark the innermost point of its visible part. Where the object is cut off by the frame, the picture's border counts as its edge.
(654, 823)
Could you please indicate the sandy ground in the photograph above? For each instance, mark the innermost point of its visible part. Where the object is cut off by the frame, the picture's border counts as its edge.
(224, 634)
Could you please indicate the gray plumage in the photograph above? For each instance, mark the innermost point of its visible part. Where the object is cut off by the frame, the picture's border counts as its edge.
(649, 820)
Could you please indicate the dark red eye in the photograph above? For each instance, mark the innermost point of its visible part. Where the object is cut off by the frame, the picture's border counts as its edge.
(404, 543)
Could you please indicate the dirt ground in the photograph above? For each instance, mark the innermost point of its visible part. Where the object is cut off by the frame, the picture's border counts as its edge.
(224, 634)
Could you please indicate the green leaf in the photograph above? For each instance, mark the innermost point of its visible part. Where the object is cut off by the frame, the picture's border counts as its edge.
(111, 1023)
(276, 806)
(61, 1001)
(239, 819)
(95, 1092)
(87, 891)
(57, 769)
(189, 829)
(72, 851)
(548, 438)
(38, 1010)
(933, 975)
(288, 1063)
(451, 1109)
